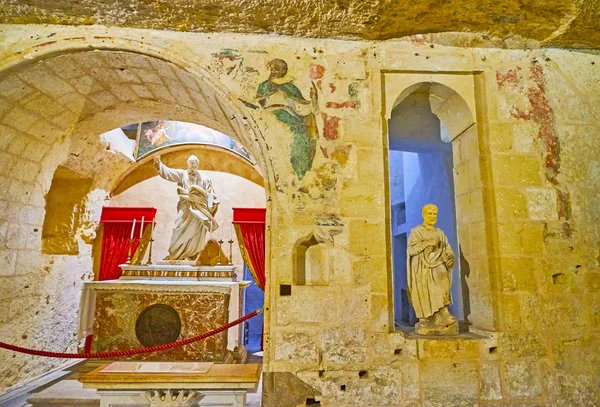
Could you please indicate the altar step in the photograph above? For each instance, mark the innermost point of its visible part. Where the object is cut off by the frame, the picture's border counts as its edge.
(65, 393)
(18, 396)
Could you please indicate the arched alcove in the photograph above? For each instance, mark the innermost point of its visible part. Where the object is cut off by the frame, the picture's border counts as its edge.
(57, 105)
(312, 261)
(437, 119)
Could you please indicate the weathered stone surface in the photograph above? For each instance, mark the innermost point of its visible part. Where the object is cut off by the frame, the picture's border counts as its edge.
(284, 389)
(299, 347)
(572, 390)
(569, 24)
(449, 383)
(490, 382)
(344, 345)
(522, 379)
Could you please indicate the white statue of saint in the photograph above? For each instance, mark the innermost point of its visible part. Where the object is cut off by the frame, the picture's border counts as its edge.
(196, 209)
(430, 261)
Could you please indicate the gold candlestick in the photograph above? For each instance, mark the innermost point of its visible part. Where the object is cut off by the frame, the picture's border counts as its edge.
(220, 251)
(149, 262)
(230, 262)
(129, 252)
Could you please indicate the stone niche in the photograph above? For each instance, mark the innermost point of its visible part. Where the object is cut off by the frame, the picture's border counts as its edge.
(65, 206)
(313, 262)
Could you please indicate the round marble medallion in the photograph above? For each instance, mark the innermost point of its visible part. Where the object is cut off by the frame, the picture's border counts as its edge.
(158, 324)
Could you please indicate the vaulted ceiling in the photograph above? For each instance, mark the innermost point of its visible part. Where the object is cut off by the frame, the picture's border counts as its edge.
(510, 23)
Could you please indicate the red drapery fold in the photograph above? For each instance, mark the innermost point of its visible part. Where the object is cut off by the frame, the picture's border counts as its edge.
(115, 247)
(254, 242)
(118, 222)
(250, 229)
(249, 226)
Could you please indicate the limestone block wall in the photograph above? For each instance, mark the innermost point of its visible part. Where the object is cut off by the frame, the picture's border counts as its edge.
(526, 176)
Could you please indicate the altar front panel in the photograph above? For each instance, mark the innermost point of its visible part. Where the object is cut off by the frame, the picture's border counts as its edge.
(117, 311)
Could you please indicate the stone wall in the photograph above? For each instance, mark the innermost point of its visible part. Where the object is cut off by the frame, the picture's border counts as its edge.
(522, 125)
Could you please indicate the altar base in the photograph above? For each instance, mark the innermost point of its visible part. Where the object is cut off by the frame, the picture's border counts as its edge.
(192, 305)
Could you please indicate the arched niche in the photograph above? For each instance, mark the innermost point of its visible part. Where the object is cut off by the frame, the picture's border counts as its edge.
(74, 96)
(447, 104)
(59, 99)
(313, 261)
(456, 98)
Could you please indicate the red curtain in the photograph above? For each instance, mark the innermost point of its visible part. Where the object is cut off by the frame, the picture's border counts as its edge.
(115, 247)
(250, 230)
(254, 243)
(118, 222)
(249, 226)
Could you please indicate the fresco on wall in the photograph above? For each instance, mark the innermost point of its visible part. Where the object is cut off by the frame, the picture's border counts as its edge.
(162, 133)
(282, 97)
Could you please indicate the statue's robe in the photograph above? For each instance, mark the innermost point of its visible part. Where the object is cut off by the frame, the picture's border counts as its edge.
(196, 212)
(288, 105)
(428, 277)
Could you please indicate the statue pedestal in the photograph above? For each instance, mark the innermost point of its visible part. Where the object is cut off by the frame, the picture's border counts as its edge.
(441, 323)
(186, 301)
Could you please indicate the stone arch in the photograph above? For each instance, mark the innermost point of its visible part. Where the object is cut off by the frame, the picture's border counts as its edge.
(455, 99)
(212, 158)
(53, 107)
(74, 97)
(447, 104)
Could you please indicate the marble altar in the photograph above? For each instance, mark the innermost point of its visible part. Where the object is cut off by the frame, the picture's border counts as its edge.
(201, 303)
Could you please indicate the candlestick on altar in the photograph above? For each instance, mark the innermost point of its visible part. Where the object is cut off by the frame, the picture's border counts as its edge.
(132, 229)
(220, 251)
(151, 240)
(230, 262)
(129, 249)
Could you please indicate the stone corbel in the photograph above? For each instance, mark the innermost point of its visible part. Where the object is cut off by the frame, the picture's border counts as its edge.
(173, 398)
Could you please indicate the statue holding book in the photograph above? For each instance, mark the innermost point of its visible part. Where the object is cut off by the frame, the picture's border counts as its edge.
(196, 209)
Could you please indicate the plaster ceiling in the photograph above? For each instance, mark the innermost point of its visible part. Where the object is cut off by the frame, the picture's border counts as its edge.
(509, 23)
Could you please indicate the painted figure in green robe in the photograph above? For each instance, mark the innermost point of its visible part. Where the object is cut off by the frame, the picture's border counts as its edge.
(279, 95)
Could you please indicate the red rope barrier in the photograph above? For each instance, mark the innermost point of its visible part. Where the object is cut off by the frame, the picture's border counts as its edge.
(118, 354)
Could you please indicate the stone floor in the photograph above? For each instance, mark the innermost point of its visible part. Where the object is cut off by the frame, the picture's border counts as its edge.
(19, 399)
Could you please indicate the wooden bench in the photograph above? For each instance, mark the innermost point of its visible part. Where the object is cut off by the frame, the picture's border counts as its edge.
(221, 384)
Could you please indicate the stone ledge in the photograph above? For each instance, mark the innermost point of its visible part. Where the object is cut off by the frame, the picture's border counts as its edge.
(408, 332)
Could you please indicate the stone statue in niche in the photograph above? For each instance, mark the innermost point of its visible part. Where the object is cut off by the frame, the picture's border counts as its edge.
(196, 209)
(430, 261)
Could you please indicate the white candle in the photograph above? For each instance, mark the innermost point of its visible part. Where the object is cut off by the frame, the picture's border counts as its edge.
(230, 230)
(132, 229)
(142, 227)
(153, 226)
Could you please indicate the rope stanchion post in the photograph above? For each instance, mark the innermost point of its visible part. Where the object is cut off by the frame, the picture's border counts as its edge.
(118, 354)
